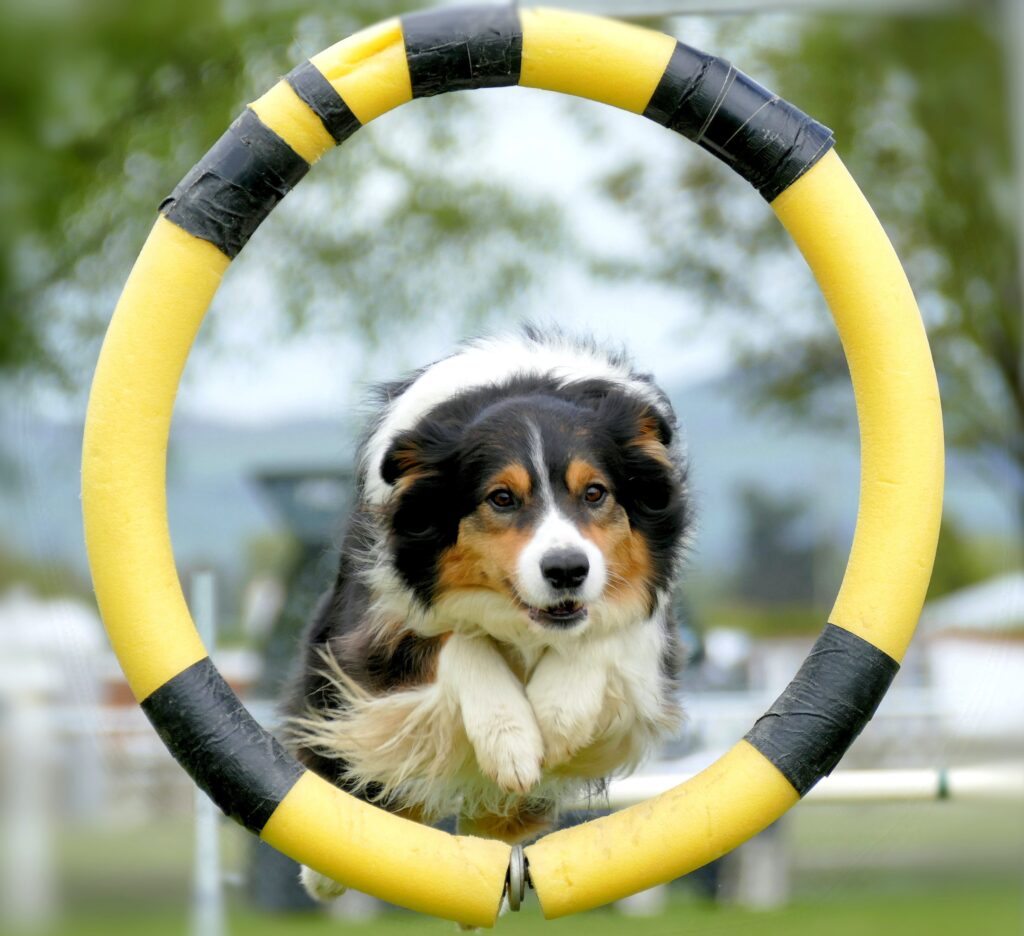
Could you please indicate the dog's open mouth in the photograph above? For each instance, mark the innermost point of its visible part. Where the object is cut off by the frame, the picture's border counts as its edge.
(563, 614)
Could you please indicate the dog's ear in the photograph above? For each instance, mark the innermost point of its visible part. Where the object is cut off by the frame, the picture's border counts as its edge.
(421, 453)
(653, 434)
(403, 458)
(422, 515)
(648, 473)
(638, 424)
(627, 415)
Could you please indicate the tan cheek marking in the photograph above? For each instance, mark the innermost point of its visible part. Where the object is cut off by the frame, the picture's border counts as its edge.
(627, 555)
(483, 557)
(580, 474)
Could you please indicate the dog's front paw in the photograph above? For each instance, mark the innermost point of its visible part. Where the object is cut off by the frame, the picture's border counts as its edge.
(319, 886)
(559, 749)
(568, 719)
(509, 750)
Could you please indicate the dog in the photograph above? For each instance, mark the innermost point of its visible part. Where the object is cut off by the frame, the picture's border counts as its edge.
(500, 632)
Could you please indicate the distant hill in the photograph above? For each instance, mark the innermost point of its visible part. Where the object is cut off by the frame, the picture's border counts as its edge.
(215, 506)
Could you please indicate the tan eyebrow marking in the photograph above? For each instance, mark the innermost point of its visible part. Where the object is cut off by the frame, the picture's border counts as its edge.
(580, 474)
(515, 477)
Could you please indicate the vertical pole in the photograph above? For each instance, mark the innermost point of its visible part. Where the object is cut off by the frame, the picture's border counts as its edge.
(1012, 22)
(28, 885)
(207, 892)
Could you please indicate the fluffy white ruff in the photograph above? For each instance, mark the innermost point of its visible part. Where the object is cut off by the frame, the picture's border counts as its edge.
(414, 744)
(480, 742)
(486, 362)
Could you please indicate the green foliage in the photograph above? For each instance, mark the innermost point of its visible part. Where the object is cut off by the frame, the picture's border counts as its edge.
(271, 554)
(923, 122)
(108, 104)
(47, 579)
(962, 560)
(787, 619)
(779, 553)
(783, 571)
(786, 570)
(96, 98)
(956, 564)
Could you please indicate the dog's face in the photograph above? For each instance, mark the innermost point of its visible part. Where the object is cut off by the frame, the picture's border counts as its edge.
(537, 508)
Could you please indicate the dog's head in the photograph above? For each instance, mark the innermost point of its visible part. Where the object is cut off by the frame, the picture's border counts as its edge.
(537, 507)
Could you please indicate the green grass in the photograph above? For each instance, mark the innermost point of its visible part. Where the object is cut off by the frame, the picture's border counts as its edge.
(935, 869)
(995, 910)
(884, 829)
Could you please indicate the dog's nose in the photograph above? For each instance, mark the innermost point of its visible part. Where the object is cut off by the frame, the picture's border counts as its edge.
(565, 568)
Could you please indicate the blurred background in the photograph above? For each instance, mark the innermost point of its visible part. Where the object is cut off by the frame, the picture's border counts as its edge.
(464, 215)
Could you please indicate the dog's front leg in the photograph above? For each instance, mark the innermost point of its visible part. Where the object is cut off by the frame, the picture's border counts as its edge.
(567, 694)
(497, 716)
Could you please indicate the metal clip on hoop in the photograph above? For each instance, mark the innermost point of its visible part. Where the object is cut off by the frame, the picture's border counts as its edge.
(518, 875)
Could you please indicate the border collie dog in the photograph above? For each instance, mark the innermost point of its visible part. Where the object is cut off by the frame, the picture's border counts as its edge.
(499, 634)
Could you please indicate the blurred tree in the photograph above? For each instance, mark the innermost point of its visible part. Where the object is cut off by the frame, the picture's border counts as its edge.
(777, 561)
(919, 110)
(107, 105)
(957, 563)
(47, 579)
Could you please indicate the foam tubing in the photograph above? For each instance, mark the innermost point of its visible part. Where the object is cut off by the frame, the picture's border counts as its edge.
(207, 220)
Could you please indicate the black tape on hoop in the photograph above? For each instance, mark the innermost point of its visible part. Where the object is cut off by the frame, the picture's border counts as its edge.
(235, 761)
(833, 696)
(762, 137)
(229, 192)
(462, 48)
(308, 82)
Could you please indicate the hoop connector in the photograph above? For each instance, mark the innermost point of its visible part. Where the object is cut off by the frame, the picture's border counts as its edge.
(517, 878)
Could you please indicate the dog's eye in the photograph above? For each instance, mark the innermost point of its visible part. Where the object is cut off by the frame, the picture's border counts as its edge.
(502, 499)
(595, 494)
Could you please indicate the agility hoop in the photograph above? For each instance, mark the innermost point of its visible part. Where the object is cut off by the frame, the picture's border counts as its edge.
(789, 159)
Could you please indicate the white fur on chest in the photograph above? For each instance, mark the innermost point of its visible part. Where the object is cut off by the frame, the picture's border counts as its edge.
(480, 740)
(589, 706)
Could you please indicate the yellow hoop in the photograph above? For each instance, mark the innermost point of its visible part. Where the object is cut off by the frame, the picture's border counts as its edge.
(124, 501)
